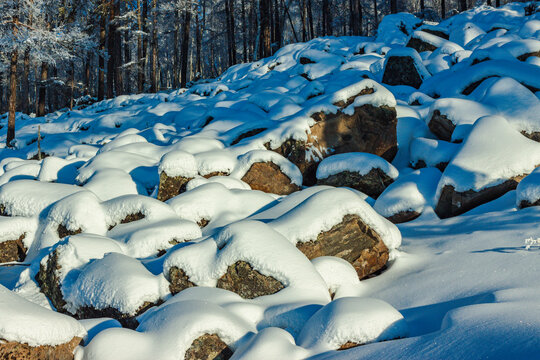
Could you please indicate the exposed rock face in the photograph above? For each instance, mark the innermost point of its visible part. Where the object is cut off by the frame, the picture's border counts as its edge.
(247, 134)
(348, 345)
(437, 33)
(170, 186)
(441, 126)
(268, 177)
(420, 45)
(420, 164)
(49, 282)
(535, 135)
(353, 241)
(373, 183)
(525, 204)
(13, 250)
(127, 320)
(11, 350)
(63, 231)
(208, 347)
(453, 203)
(179, 280)
(242, 279)
(401, 70)
(129, 218)
(369, 129)
(403, 216)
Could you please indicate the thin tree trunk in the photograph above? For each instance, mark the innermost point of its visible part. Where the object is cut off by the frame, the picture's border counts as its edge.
(1, 93)
(42, 89)
(376, 14)
(118, 73)
(393, 7)
(101, 76)
(72, 85)
(286, 9)
(154, 72)
(310, 20)
(111, 39)
(176, 51)
(326, 18)
(265, 35)
(462, 5)
(303, 16)
(87, 73)
(245, 54)
(12, 95)
(423, 5)
(497, 3)
(185, 46)
(25, 101)
(140, 60)
(443, 9)
(198, 45)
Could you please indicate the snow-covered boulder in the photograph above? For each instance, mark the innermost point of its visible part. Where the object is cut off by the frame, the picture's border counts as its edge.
(248, 258)
(269, 172)
(432, 153)
(337, 222)
(403, 66)
(407, 198)
(16, 236)
(29, 331)
(365, 172)
(349, 322)
(492, 161)
(176, 169)
(528, 190)
(358, 118)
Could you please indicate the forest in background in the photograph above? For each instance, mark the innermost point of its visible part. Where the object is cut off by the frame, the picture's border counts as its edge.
(57, 54)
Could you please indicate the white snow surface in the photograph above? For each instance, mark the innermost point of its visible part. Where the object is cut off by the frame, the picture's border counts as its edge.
(362, 163)
(463, 287)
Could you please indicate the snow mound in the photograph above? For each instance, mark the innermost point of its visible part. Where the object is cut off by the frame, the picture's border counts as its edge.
(361, 163)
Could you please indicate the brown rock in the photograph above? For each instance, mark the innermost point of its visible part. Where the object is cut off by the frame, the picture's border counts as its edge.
(353, 241)
(535, 135)
(178, 280)
(268, 177)
(441, 126)
(13, 250)
(369, 129)
(373, 183)
(525, 204)
(242, 279)
(170, 186)
(49, 282)
(63, 231)
(348, 345)
(403, 216)
(401, 70)
(129, 218)
(10, 350)
(247, 134)
(208, 347)
(453, 203)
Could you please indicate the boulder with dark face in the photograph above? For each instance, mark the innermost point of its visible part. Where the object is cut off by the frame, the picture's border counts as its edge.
(13, 250)
(474, 178)
(351, 240)
(364, 120)
(403, 66)
(176, 169)
(365, 172)
(242, 279)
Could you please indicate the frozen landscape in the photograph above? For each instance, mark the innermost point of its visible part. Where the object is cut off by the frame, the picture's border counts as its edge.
(346, 198)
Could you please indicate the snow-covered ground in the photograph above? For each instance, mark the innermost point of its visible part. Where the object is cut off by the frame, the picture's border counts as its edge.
(466, 286)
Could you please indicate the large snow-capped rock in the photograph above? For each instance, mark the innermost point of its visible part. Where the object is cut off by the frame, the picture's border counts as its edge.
(492, 161)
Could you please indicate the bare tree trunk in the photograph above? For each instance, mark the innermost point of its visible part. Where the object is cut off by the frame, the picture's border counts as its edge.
(154, 45)
(42, 89)
(265, 48)
(176, 51)
(443, 9)
(140, 56)
(245, 54)
(376, 14)
(127, 60)
(310, 20)
(25, 101)
(87, 73)
(462, 5)
(12, 95)
(185, 45)
(393, 7)
(326, 18)
(72, 85)
(497, 3)
(231, 38)
(101, 76)
(423, 5)
(303, 16)
(111, 50)
(1, 93)
(198, 45)
(286, 10)
(118, 73)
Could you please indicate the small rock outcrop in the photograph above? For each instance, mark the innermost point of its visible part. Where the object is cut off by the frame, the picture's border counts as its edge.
(247, 282)
(404, 67)
(208, 347)
(18, 351)
(268, 177)
(170, 186)
(373, 183)
(13, 250)
(353, 241)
